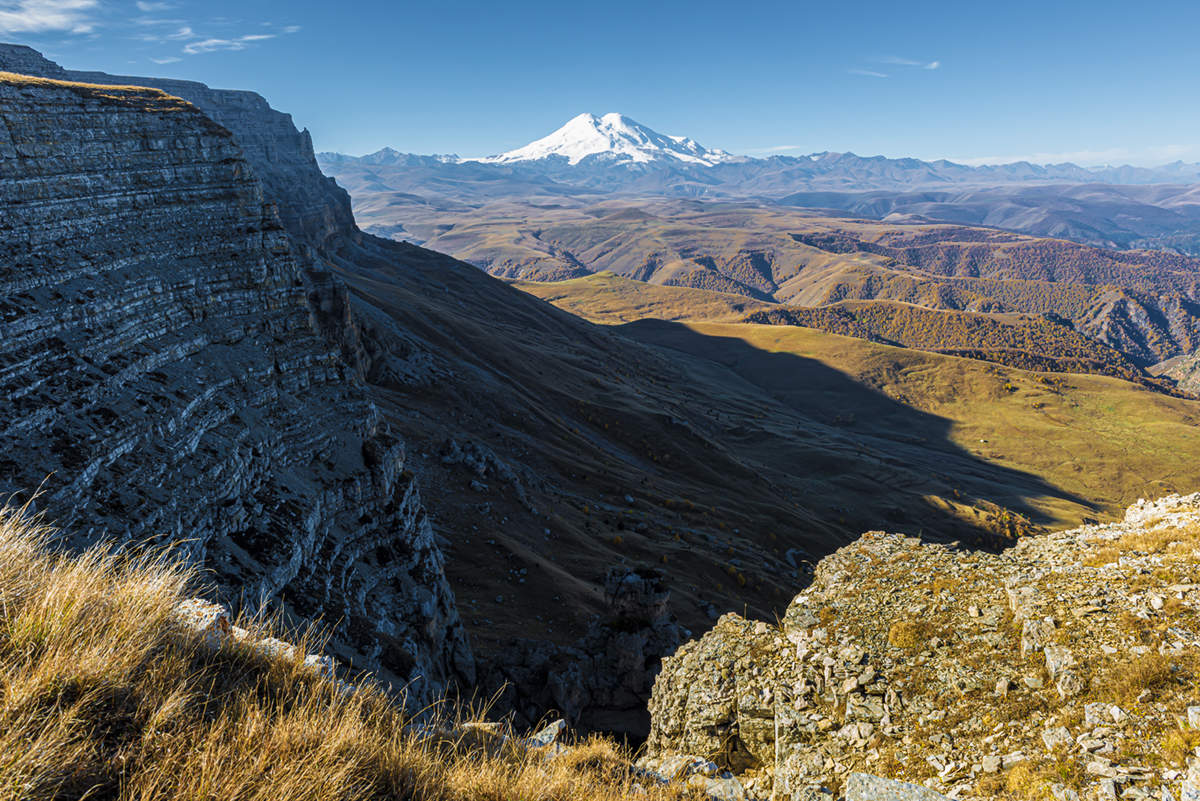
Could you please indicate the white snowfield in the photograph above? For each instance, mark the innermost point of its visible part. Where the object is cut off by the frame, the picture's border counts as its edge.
(615, 136)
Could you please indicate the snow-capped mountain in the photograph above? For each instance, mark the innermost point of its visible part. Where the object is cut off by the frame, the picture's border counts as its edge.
(613, 137)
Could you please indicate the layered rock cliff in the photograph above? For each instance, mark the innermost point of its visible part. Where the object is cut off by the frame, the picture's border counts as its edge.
(1063, 668)
(172, 367)
(312, 207)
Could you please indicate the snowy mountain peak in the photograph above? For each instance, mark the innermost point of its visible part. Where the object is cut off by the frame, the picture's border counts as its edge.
(615, 137)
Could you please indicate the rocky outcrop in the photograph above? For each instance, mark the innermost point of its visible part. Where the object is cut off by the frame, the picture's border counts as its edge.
(27, 61)
(312, 207)
(171, 368)
(1185, 371)
(1065, 667)
(601, 682)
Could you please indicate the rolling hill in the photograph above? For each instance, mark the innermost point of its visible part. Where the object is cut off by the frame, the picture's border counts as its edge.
(1138, 303)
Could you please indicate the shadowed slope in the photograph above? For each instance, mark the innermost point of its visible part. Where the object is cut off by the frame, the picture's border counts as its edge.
(1034, 342)
(553, 449)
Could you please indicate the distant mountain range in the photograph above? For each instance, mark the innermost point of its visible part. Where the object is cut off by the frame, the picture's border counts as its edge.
(590, 144)
(1117, 207)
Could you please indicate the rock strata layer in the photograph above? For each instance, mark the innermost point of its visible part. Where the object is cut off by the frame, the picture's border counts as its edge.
(1065, 667)
(312, 207)
(171, 368)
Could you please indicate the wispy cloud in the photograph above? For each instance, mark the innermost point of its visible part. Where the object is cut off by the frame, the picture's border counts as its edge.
(149, 22)
(198, 44)
(868, 73)
(42, 16)
(181, 34)
(167, 60)
(150, 8)
(236, 43)
(910, 62)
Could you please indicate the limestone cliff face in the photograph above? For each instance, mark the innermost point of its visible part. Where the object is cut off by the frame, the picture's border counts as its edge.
(169, 368)
(27, 61)
(313, 208)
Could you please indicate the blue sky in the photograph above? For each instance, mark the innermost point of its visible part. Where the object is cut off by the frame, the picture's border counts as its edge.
(1092, 82)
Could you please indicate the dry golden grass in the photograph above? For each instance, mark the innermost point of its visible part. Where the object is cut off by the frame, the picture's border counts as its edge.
(611, 299)
(910, 634)
(102, 695)
(1168, 540)
(1153, 672)
(142, 97)
(1030, 782)
(1176, 746)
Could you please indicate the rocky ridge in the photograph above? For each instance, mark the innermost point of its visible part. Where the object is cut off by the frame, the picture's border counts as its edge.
(1064, 668)
(311, 206)
(175, 364)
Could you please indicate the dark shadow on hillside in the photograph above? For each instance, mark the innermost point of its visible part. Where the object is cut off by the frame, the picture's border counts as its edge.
(913, 445)
(728, 468)
(744, 467)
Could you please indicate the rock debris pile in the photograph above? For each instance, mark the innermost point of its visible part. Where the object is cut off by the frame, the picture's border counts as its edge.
(1065, 668)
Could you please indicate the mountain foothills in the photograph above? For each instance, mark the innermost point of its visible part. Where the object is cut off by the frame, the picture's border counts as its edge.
(1135, 306)
(663, 406)
(592, 197)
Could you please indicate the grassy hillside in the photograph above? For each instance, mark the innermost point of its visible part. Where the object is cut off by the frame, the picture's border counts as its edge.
(1018, 340)
(1134, 441)
(1026, 341)
(103, 694)
(1095, 437)
(724, 460)
(606, 297)
(1138, 302)
(964, 251)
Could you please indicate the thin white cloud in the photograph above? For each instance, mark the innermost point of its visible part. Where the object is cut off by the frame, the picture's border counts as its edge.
(214, 45)
(292, 29)
(911, 62)
(167, 60)
(148, 22)
(40, 16)
(149, 8)
(181, 35)
(868, 73)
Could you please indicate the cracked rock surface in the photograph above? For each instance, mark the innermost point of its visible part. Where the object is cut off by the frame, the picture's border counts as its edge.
(1065, 666)
(172, 369)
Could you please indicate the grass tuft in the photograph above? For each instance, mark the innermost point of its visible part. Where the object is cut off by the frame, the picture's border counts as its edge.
(104, 695)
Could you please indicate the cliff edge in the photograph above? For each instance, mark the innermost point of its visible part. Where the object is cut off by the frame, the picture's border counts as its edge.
(168, 372)
(1065, 667)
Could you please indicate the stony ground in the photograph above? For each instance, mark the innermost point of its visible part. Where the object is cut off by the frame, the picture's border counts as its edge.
(1065, 668)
